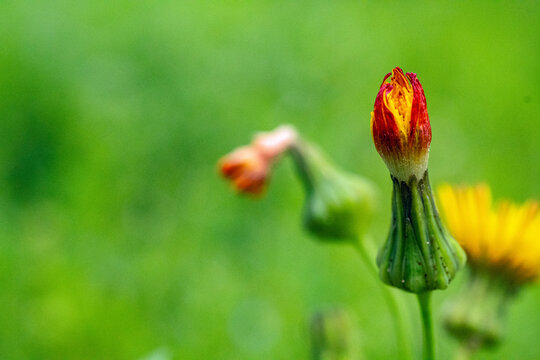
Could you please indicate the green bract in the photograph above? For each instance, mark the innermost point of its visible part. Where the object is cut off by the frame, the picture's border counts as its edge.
(338, 205)
(419, 254)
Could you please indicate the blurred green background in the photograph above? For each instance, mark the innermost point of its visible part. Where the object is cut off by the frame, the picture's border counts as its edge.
(119, 241)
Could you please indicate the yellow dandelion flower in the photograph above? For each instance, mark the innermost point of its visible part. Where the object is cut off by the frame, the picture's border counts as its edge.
(504, 239)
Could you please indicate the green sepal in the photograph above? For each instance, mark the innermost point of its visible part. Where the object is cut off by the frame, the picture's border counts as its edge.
(419, 255)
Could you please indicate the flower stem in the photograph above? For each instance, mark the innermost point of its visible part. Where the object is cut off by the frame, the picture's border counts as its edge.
(424, 300)
(361, 245)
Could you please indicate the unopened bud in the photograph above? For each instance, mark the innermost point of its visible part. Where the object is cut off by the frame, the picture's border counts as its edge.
(338, 205)
(249, 167)
(419, 255)
(476, 316)
(334, 335)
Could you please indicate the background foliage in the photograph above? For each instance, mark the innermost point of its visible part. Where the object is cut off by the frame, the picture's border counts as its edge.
(118, 240)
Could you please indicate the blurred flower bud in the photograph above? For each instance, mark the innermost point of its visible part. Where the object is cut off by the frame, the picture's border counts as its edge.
(476, 316)
(334, 336)
(249, 167)
(419, 255)
(274, 143)
(338, 206)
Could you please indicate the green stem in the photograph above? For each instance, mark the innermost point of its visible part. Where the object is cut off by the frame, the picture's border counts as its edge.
(361, 245)
(424, 300)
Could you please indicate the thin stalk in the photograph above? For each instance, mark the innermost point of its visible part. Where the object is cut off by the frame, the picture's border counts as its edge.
(424, 300)
(302, 167)
(390, 298)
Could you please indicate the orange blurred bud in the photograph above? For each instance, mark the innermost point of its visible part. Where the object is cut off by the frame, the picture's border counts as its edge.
(249, 167)
(246, 168)
(273, 143)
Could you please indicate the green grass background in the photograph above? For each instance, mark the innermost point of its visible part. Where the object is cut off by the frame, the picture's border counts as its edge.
(119, 241)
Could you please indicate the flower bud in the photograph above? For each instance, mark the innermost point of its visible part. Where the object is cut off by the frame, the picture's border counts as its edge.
(400, 125)
(274, 143)
(334, 335)
(476, 316)
(338, 206)
(249, 167)
(246, 169)
(419, 255)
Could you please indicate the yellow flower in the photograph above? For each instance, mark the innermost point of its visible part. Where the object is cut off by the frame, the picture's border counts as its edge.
(503, 239)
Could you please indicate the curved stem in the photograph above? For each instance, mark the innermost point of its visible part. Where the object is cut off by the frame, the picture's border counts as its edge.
(390, 298)
(302, 168)
(424, 300)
